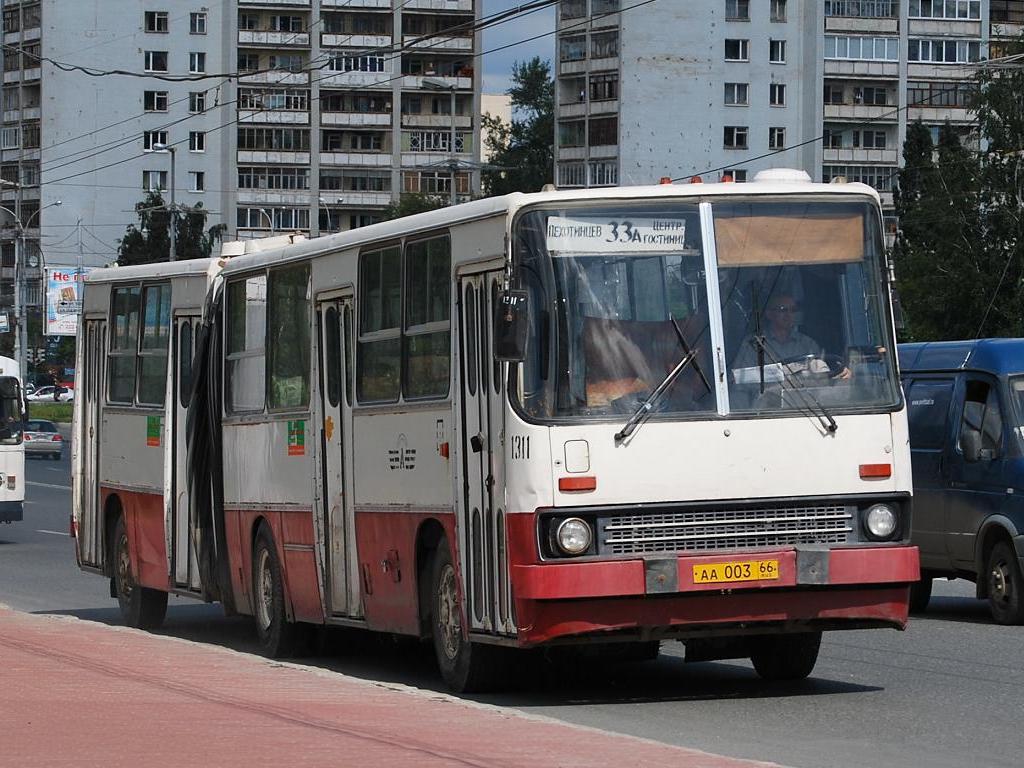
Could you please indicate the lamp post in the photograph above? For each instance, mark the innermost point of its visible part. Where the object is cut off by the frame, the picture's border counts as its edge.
(330, 227)
(270, 219)
(20, 319)
(441, 85)
(173, 212)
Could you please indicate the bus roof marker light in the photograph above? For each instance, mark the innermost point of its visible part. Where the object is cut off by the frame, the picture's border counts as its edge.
(665, 180)
(696, 180)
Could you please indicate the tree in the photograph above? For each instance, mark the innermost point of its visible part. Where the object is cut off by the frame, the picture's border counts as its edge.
(522, 150)
(414, 202)
(150, 241)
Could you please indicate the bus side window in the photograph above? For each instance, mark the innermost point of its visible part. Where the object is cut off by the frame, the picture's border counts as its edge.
(289, 343)
(156, 338)
(246, 337)
(427, 361)
(332, 343)
(379, 350)
(185, 363)
(124, 339)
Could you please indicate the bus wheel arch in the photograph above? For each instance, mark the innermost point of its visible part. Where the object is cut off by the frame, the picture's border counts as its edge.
(276, 633)
(428, 537)
(141, 607)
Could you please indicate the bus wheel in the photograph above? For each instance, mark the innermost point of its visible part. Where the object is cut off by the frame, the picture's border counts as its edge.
(276, 634)
(1005, 585)
(466, 667)
(920, 594)
(786, 657)
(141, 607)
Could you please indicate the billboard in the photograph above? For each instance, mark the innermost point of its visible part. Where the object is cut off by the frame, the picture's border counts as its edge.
(64, 300)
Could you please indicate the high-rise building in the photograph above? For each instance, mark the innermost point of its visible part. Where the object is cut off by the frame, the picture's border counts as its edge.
(734, 86)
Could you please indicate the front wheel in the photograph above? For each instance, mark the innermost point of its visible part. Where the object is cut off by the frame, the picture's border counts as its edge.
(1005, 585)
(466, 667)
(920, 594)
(277, 636)
(786, 657)
(141, 607)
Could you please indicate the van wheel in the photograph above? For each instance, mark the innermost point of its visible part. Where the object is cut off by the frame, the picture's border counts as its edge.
(920, 594)
(141, 608)
(786, 657)
(466, 667)
(1005, 585)
(277, 636)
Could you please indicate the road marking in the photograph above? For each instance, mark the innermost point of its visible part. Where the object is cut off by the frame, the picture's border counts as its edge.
(52, 533)
(48, 485)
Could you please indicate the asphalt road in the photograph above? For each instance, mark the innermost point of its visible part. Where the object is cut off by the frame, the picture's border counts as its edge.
(947, 692)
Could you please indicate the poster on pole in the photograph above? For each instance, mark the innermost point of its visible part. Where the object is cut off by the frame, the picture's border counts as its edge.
(64, 300)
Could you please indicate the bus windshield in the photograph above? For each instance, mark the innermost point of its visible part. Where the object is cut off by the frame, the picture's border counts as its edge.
(11, 425)
(619, 295)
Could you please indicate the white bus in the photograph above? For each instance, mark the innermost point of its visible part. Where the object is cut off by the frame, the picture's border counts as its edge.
(12, 442)
(592, 416)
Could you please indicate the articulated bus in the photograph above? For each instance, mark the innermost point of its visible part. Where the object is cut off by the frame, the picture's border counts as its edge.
(12, 442)
(603, 417)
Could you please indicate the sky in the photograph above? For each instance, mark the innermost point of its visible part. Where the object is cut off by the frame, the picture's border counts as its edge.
(498, 65)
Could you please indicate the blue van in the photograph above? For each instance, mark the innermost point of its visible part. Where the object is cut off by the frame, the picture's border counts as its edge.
(965, 405)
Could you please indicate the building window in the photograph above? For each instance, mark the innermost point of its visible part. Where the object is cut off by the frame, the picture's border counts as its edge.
(604, 87)
(776, 138)
(737, 50)
(778, 10)
(777, 51)
(198, 181)
(735, 137)
(737, 10)
(10, 138)
(275, 139)
(196, 141)
(197, 23)
(275, 177)
(739, 175)
(866, 9)
(604, 173)
(869, 139)
(604, 131)
(155, 101)
(572, 133)
(289, 62)
(944, 51)
(880, 177)
(286, 23)
(863, 48)
(150, 140)
(604, 45)
(944, 9)
(572, 175)
(155, 61)
(197, 101)
(573, 9)
(248, 21)
(572, 48)
(197, 63)
(940, 94)
(777, 94)
(154, 181)
(156, 21)
(833, 94)
(832, 139)
(871, 95)
(736, 94)
(248, 62)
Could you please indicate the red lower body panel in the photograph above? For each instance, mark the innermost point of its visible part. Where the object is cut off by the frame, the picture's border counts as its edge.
(144, 524)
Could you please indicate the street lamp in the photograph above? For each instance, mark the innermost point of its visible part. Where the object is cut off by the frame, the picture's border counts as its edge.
(330, 227)
(270, 219)
(173, 211)
(441, 85)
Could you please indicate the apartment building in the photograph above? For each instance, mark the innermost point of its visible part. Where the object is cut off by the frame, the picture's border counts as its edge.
(734, 86)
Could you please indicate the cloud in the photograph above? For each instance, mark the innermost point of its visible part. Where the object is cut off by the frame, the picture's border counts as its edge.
(513, 32)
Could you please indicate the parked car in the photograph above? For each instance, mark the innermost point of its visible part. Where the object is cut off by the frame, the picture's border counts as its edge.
(43, 439)
(965, 403)
(46, 393)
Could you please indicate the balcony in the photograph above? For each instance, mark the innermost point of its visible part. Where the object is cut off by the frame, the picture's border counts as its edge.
(362, 42)
(273, 117)
(862, 112)
(28, 113)
(248, 37)
(603, 151)
(439, 5)
(274, 3)
(353, 5)
(416, 81)
(356, 199)
(439, 42)
(288, 197)
(858, 68)
(441, 122)
(354, 79)
(873, 26)
(276, 77)
(21, 75)
(604, 107)
(848, 156)
(356, 119)
(945, 28)
(249, 156)
(374, 159)
(940, 114)
(25, 36)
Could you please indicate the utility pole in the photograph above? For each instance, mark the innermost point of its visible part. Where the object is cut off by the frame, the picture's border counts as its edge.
(173, 212)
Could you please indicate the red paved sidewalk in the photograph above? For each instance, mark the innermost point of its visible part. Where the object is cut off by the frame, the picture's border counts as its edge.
(76, 693)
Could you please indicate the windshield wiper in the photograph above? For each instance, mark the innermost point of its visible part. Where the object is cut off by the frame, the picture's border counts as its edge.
(687, 350)
(646, 405)
(811, 404)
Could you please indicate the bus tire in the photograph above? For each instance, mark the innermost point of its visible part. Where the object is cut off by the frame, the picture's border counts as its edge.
(277, 636)
(920, 594)
(141, 608)
(1005, 585)
(786, 657)
(466, 667)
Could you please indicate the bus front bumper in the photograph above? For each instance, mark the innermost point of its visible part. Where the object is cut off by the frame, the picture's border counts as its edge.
(11, 511)
(663, 597)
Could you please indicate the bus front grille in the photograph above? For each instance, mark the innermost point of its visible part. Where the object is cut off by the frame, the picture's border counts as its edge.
(712, 529)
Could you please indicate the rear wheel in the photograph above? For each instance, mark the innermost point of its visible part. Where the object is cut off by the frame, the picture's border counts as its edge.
(1005, 585)
(141, 607)
(277, 636)
(465, 666)
(786, 657)
(920, 594)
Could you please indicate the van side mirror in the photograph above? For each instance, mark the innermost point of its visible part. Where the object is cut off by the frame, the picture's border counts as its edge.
(511, 324)
(970, 444)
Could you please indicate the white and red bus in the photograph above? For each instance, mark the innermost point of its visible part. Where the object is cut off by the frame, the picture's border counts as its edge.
(592, 416)
(12, 442)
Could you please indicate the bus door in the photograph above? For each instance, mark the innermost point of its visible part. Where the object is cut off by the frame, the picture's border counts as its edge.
(186, 565)
(483, 548)
(334, 318)
(90, 525)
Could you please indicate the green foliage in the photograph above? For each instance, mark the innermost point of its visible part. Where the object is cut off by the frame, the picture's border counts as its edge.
(960, 252)
(60, 412)
(523, 150)
(150, 241)
(414, 202)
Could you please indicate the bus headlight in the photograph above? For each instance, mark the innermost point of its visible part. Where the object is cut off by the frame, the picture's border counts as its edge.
(881, 521)
(573, 536)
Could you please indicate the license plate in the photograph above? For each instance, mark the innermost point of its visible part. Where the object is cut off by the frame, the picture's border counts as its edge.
(743, 570)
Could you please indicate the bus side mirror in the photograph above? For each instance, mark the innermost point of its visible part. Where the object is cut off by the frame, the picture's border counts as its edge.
(511, 323)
